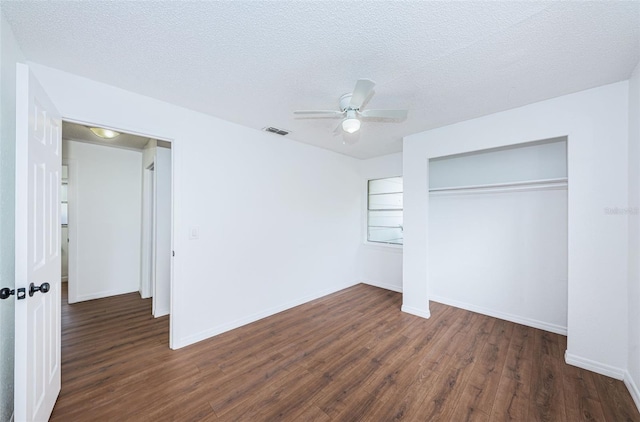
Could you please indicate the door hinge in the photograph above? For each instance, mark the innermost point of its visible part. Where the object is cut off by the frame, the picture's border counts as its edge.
(173, 253)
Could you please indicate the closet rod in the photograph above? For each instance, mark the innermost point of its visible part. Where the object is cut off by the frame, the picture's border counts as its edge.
(558, 182)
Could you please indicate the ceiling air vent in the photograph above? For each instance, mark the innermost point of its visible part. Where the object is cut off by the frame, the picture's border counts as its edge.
(276, 130)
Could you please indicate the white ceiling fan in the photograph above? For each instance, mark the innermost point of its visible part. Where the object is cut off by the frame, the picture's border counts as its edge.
(352, 114)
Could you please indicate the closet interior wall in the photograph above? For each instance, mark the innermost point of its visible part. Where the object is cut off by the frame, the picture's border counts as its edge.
(498, 233)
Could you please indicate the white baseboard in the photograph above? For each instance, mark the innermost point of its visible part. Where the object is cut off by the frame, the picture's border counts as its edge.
(386, 286)
(553, 328)
(203, 335)
(100, 295)
(593, 366)
(161, 313)
(633, 388)
(416, 311)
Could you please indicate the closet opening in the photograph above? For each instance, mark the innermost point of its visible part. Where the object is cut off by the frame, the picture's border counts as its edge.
(498, 232)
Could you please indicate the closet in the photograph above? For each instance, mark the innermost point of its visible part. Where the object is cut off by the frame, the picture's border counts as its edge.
(498, 232)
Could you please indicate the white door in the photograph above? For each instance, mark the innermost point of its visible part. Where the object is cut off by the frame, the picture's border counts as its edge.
(37, 323)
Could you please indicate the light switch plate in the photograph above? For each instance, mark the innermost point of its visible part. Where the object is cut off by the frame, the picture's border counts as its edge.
(194, 233)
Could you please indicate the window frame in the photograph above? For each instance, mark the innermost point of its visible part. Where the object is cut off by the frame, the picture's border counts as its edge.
(374, 243)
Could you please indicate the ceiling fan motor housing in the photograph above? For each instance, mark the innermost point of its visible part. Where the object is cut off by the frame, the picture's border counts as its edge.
(345, 102)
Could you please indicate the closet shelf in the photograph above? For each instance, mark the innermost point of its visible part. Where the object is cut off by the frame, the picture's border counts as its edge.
(506, 187)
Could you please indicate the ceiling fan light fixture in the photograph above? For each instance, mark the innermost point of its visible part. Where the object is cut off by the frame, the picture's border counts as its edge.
(104, 133)
(351, 111)
(351, 125)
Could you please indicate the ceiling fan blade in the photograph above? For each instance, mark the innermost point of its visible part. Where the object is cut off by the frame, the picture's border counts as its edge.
(362, 91)
(385, 114)
(323, 113)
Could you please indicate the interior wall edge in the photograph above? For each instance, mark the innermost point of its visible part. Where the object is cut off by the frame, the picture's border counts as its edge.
(416, 311)
(161, 312)
(631, 385)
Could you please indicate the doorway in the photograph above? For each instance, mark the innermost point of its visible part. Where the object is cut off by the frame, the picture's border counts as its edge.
(110, 234)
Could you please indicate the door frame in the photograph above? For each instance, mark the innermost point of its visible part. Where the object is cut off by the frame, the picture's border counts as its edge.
(72, 177)
(174, 144)
(147, 264)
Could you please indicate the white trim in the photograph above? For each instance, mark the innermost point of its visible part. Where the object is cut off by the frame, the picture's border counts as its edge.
(72, 229)
(530, 322)
(205, 334)
(416, 311)
(146, 234)
(102, 294)
(593, 366)
(386, 286)
(365, 217)
(175, 214)
(117, 129)
(161, 312)
(534, 185)
(633, 388)
(557, 180)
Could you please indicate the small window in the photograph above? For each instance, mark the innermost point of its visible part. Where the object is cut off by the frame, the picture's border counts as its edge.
(384, 211)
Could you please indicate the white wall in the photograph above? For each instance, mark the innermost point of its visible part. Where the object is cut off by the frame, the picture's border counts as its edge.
(279, 221)
(596, 123)
(10, 54)
(379, 265)
(105, 194)
(632, 378)
(503, 254)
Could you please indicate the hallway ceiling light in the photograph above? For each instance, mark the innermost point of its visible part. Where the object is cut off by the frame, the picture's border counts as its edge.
(104, 133)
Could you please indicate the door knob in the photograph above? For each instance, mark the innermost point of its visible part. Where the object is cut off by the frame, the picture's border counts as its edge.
(44, 288)
(6, 293)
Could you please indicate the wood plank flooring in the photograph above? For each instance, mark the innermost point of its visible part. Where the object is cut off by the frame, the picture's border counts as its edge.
(350, 356)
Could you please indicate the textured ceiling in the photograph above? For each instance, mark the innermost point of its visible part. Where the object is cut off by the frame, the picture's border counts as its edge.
(255, 62)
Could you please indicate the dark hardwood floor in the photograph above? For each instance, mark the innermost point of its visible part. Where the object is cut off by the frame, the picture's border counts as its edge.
(350, 356)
